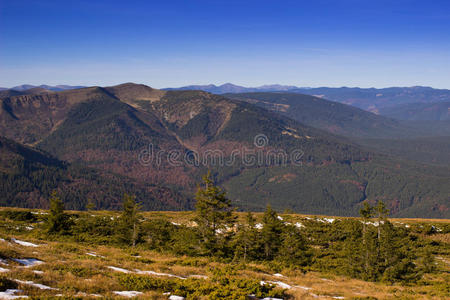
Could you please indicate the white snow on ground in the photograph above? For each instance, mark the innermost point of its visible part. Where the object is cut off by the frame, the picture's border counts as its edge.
(326, 220)
(36, 285)
(198, 276)
(29, 227)
(154, 273)
(129, 294)
(81, 294)
(176, 224)
(174, 297)
(10, 294)
(302, 287)
(3, 261)
(338, 297)
(38, 272)
(94, 254)
(118, 269)
(28, 262)
(279, 218)
(373, 223)
(278, 275)
(158, 274)
(3, 270)
(143, 272)
(270, 298)
(23, 243)
(299, 225)
(277, 283)
(258, 226)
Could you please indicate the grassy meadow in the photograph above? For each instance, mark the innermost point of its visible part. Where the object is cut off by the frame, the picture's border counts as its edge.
(92, 266)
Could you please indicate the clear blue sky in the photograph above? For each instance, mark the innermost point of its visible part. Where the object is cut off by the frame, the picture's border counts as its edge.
(173, 43)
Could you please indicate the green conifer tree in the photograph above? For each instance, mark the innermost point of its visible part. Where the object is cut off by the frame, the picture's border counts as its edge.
(129, 221)
(271, 233)
(246, 242)
(214, 217)
(293, 250)
(58, 221)
(366, 214)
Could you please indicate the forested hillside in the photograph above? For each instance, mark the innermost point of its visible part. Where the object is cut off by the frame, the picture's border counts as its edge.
(28, 176)
(438, 111)
(183, 133)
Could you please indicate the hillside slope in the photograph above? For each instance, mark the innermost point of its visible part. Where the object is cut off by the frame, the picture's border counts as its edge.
(259, 156)
(28, 176)
(339, 118)
(438, 111)
(370, 99)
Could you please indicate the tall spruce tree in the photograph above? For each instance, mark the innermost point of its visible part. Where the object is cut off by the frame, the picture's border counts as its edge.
(293, 249)
(246, 242)
(214, 217)
(366, 213)
(58, 221)
(129, 222)
(271, 233)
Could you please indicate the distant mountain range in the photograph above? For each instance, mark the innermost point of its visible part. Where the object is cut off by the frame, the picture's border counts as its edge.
(232, 88)
(379, 101)
(402, 103)
(92, 139)
(56, 88)
(343, 119)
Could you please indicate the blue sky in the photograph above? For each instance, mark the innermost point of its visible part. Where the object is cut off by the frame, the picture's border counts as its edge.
(174, 43)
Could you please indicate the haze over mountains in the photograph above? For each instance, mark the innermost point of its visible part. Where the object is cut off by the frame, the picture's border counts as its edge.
(380, 101)
(98, 135)
(55, 88)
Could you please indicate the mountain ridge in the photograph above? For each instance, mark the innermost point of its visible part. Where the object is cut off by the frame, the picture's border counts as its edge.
(370, 99)
(107, 128)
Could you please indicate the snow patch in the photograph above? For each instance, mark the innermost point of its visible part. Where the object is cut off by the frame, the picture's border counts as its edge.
(278, 275)
(299, 225)
(36, 285)
(174, 297)
(94, 254)
(277, 283)
(3, 270)
(28, 262)
(82, 294)
(198, 276)
(10, 294)
(23, 243)
(129, 294)
(158, 274)
(118, 269)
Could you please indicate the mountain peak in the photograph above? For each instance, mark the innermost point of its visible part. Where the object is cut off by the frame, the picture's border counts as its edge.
(132, 91)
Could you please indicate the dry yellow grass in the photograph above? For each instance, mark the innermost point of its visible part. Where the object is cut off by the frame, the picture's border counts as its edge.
(68, 268)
